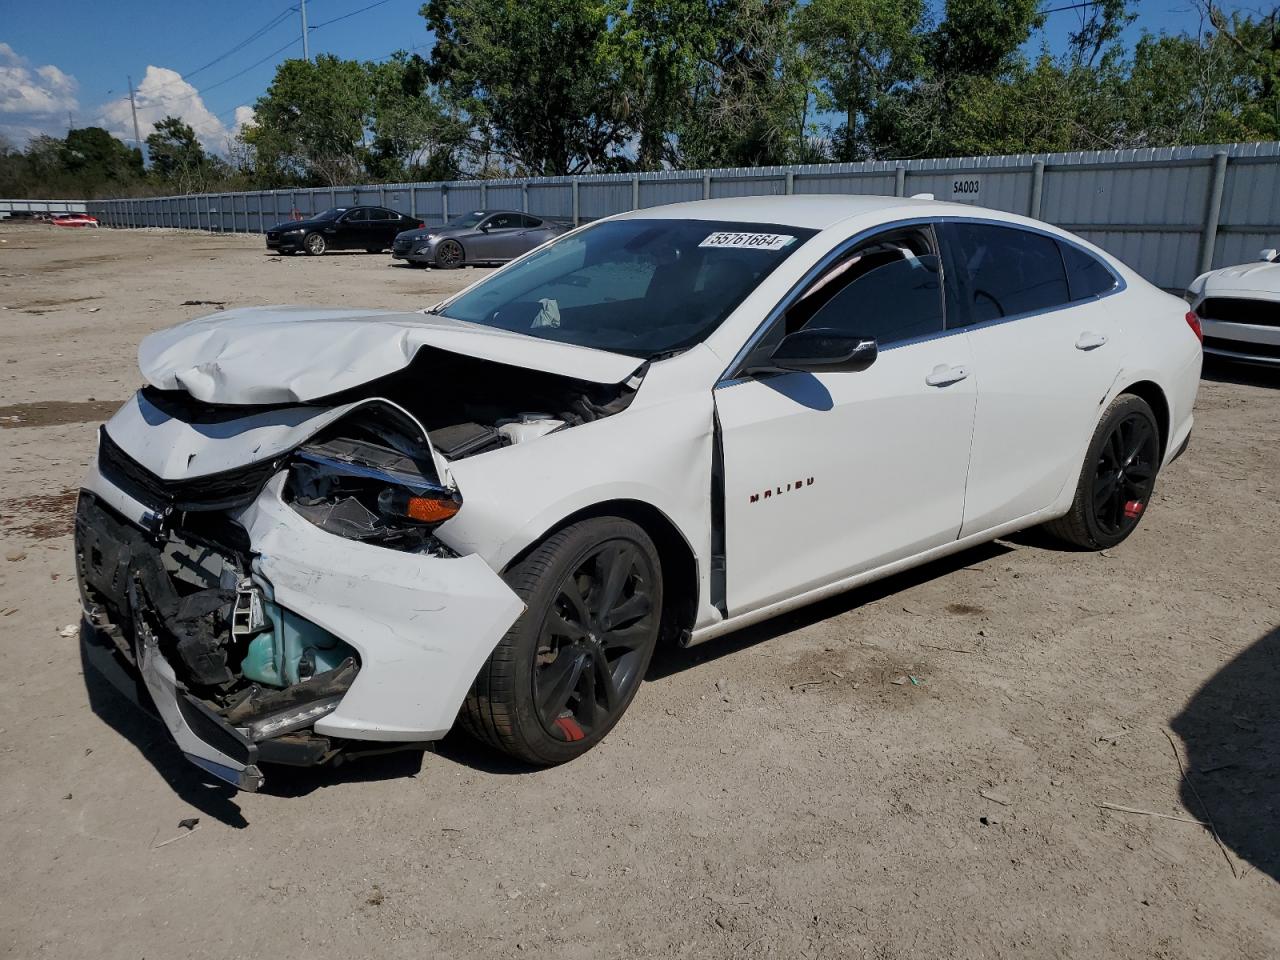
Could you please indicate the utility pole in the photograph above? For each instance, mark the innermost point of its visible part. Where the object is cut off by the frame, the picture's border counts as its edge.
(137, 136)
(306, 49)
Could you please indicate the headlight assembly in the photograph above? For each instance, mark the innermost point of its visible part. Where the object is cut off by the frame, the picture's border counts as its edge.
(370, 487)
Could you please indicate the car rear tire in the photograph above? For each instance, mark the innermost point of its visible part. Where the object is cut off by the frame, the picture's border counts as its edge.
(314, 244)
(570, 666)
(449, 255)
(1117, 479)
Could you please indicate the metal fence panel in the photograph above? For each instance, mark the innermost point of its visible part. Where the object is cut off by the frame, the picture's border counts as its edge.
(1168, 212)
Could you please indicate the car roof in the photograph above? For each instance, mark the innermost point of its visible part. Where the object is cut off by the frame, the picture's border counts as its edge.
(813, 211)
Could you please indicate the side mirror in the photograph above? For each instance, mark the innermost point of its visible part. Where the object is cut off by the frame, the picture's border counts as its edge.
(483, 228)
(1266, 256)
(821, 351)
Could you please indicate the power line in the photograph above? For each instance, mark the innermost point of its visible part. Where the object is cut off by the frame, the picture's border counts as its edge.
(262, 31)
(346, 16)
(1074, 6)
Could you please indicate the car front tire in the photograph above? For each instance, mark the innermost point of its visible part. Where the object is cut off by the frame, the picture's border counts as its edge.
(314, 245)
(449, 255)
(1117, 479)
(570, 666)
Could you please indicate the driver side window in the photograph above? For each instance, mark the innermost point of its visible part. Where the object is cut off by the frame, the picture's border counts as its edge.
(888, 288)
(356, 216)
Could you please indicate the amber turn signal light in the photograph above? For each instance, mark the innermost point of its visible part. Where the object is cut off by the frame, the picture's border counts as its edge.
(430, 510)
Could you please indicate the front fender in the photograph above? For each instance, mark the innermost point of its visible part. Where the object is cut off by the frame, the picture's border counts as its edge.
(659, 455)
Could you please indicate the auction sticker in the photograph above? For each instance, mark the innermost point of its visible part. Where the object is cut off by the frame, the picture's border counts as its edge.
(748, 241)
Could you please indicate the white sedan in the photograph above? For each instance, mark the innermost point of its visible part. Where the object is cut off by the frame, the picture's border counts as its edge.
(1240, 310)
(319, 531)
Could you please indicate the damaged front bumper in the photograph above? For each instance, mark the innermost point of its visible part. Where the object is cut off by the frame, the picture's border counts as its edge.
(419, 626)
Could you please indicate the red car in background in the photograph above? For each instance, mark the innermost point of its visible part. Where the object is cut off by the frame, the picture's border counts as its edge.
(74, 220)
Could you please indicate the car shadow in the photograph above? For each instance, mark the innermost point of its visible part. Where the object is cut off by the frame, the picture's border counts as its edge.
(671, 659)
(1230, 730)
(1220, 370)
(146, 732)
(211, 796)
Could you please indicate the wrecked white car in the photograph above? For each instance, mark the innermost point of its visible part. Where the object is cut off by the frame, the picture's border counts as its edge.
(324, 531)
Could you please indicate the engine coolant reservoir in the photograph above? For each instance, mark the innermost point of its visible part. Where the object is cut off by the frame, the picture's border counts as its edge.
(529, 426)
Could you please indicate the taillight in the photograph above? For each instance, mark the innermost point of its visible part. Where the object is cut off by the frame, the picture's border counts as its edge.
(1193, 321)
(422, 225)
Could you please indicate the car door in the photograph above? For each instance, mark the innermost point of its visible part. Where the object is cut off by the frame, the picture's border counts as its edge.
(387, 225)
(535, 233)
(498, 237)
(352, 229)
(1043, 363)
(831, 474)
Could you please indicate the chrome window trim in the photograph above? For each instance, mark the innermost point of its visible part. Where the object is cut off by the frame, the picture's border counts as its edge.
(732, 375)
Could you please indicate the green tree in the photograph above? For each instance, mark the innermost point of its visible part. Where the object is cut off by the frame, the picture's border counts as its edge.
(177, 159)
(749, 100)
(543, 83)
(861, 49)
(95, 159)
(414, 135)
(311, 126)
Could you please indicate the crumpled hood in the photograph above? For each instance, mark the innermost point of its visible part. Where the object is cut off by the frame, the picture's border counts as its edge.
(294, 354)
(1260, 277)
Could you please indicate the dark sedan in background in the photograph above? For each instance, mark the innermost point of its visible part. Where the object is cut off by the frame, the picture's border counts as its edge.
(482, 236)
(341, 228)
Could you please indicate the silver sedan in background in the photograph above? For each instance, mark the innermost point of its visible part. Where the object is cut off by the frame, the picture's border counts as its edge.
(481, 236)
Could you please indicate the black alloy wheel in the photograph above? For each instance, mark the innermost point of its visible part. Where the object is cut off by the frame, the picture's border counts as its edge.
(449, 254)
(568, 668)
(1125, 475)
(595, 641)
(1118, 477)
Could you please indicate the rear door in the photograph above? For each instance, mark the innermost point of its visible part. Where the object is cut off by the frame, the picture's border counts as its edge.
(1043, 361)
(384, 227)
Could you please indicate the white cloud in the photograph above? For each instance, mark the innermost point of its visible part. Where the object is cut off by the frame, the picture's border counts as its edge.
(164, 93)
(33, 100)
(245, 117)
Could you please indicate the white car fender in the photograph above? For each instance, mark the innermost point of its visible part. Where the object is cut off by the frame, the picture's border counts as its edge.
(514, 496)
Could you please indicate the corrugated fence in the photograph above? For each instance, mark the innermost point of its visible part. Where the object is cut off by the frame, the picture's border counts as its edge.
(1170, 213)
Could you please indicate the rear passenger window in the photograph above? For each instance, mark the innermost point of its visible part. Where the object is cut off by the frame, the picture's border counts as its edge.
(531, 221)
(1086, 275)
(887, 288)
(1004, 271)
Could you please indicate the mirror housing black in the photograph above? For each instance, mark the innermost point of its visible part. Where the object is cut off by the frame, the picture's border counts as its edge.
(820, 351)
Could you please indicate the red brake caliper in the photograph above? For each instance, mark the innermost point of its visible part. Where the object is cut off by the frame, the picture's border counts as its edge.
(570, 728)
(1132, 509)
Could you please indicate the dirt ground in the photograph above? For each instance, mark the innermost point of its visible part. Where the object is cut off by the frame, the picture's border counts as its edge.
(787, 792)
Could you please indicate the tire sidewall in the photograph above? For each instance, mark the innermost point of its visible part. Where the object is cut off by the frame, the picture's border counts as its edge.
(583, 539)
(1126, 406)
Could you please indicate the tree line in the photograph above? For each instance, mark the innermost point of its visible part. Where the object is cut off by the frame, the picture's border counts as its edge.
(557, 87)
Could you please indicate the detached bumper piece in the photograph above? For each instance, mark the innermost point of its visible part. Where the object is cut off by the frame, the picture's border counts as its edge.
(223, 725)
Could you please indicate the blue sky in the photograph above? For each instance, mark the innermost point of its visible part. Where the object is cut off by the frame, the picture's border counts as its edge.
(60, 58)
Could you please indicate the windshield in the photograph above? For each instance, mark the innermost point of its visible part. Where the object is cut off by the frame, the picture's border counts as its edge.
(333, 213)
(467, 219)
(640, 287)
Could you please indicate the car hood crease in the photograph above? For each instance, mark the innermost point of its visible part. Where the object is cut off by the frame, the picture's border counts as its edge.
(294, 354)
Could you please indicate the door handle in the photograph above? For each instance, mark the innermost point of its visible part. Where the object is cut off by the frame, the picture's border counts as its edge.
(943, 375)
(1090, 341)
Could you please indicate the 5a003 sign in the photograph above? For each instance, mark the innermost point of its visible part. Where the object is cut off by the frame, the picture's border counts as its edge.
(966, 189)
